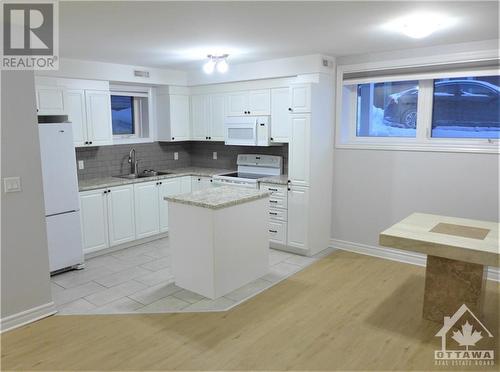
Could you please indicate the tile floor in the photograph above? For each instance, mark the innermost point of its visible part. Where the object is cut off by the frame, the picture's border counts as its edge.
(139, 280)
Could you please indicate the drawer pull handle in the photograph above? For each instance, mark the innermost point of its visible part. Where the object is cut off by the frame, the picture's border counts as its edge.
(273, 213)
(270, 189)
(273, 231)
(273, 201)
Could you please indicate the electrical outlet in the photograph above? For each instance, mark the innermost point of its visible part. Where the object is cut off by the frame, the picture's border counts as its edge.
(176, 156)
(80, 164)
(214, 155)
(12, 184)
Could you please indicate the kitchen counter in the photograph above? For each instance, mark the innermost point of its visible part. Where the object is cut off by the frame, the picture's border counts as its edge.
(219, 197)
(103, 182)
(277, 180)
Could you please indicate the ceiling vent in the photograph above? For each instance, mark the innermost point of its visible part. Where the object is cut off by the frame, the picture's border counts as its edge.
(143, 74)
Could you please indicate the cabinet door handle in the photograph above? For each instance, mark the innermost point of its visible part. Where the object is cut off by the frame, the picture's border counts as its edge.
(173, 138)
(105, 191)
(90, 142)
(109, 190)
(290, 109)
(273, 231)
(273, 213)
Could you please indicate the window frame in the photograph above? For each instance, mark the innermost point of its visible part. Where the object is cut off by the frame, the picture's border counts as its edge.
(346, 119)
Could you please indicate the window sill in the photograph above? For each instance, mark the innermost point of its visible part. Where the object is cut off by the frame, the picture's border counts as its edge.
(493, 148)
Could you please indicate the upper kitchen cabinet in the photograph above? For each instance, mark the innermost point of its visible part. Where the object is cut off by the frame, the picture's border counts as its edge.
(173, 116)
(253, 102)
(280, 115)
(99, 131)
(50, 100)
(86, 102)
(218, 116)
(200, 117)
(300, 98)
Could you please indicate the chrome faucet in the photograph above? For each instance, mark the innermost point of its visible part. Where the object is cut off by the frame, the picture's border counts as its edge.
(133, 162)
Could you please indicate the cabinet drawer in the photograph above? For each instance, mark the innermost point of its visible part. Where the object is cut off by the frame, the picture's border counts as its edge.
(277, 190)
(277, 232)
(277, 214)
(276, 202)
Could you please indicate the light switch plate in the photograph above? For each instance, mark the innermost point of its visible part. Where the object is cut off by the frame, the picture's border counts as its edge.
(80, 164)
(214, 155)
(12, 184)
(176, 156)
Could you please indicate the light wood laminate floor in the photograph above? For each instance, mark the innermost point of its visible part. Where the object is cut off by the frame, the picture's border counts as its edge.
(344, 312)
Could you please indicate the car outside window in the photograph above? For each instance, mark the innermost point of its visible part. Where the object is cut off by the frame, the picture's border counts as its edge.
(466, 107)
(387, 109)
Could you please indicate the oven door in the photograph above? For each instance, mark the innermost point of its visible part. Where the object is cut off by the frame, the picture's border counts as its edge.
(240, 131)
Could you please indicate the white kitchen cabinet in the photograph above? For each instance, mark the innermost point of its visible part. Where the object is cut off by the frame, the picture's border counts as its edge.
(236, 104)
(77, 114)
(50, 100)
(200, 183)
(253, 102)
(298, 205)
(280, 115)
(167, 187)
(218, 117)
(98, 110)
(185, 184)
(179, 118)
(300, 98)
(299, 149)
(121, 216)
(94, 220)
(200, 117)
(147, 217)
(259, 102)
(277, 232)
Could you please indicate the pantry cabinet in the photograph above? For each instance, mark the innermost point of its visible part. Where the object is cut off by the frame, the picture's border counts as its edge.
(94, 220)
(298, 217)
(121, 220)
(300, 98)
(280, 115)
(299, 149)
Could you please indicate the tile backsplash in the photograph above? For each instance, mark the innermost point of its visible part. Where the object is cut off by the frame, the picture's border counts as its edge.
(106, 161)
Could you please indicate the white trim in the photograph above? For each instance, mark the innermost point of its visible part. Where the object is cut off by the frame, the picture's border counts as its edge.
(27, 316)
(412, 258)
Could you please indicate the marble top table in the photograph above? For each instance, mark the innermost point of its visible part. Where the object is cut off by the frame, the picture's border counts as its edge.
(219, 239)
(459, 252)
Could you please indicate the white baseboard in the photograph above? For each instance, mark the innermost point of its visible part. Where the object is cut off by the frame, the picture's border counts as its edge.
(413, 258)
(27, 316)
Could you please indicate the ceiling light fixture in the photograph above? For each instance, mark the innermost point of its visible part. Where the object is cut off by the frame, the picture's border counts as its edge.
(219, 62)
(419, 25)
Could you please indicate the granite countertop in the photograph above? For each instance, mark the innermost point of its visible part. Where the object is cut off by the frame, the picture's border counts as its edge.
(278, 180)
(219, 197)
(98, 183)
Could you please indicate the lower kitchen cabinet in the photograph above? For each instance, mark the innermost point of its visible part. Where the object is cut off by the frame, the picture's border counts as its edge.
(200, 183)
(94, 219)
(121, 221)
(147, 217)
(185, 184)
(298, 205)
(167, 187)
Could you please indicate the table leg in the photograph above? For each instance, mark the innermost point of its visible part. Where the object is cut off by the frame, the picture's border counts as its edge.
(451, 283)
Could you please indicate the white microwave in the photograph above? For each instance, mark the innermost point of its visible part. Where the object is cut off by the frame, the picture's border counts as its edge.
(247, 131)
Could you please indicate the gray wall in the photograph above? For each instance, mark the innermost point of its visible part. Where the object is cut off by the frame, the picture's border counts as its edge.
(25, 260)
(373, 189)
(112, 160)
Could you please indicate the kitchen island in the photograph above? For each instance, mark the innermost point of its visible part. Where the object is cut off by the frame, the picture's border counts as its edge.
(219, 239)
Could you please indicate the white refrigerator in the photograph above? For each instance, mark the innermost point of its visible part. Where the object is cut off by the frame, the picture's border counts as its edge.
(60, 190)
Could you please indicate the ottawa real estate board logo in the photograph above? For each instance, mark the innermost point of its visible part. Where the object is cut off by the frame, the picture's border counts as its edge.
(466, 330)
(30, 35)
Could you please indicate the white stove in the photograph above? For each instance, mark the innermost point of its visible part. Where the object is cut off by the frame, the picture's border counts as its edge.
(251, 167)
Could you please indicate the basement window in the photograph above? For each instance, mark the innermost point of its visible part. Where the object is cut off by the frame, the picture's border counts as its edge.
(130, 116)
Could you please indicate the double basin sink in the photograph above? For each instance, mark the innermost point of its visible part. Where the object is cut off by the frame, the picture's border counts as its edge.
(143, 174)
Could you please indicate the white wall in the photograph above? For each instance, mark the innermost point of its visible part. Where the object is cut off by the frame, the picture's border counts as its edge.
(373, 189)
(25, 287)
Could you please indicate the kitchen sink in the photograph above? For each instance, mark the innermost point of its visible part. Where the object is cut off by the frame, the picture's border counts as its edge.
(144, 174)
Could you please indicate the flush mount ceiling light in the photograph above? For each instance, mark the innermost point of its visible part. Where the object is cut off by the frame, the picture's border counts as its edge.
(419, 25)
(216, 62)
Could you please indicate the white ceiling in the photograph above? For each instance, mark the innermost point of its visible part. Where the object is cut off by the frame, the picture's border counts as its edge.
(179, 35)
